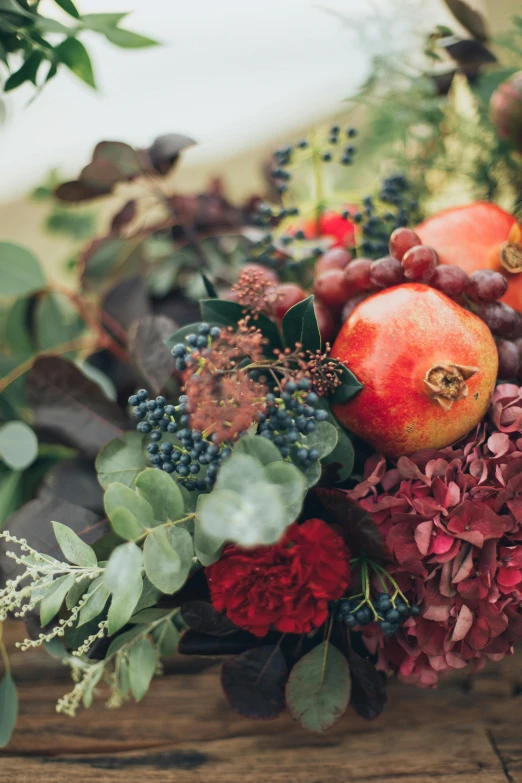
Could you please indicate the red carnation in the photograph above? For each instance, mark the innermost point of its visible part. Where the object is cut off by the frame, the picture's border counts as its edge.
(286, 586)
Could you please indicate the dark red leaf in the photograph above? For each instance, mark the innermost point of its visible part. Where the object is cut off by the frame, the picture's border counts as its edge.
(368, 686)
(124, 216)
(254, 682)
(201, 616)
(165, 150)
(127, 302)
(75, 480)
(197, 643)
(71, 408)
(149, 352)
(33, 522)
(357, 527)
(76, 190)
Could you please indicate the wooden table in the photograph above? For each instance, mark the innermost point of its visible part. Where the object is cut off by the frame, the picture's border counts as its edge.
(184, 732)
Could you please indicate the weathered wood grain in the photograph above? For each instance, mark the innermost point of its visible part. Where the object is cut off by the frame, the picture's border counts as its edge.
(467, 731)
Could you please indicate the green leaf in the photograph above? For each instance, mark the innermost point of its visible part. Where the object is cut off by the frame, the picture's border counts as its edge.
(120, 495)
(69, 8)
(166, 637)
(208, 548)
(142, 665)
(123, 579)
(312, 473)
(8, 709)
(125, 524)
(161, 491)
(98, 596)
(18, 445)
(56, 322)
(123, 640)
(225, 313)
(73, 54)
(27, 73)
(240, 471)
(54, 598)
(126, 39)
(260, 448)
(318, 689)
(147, 616)
(76, 592)
(167, 556)
(323, 438)
(20, 271)
(100, 22)
(124, 565)
(179, 336)
(349, 385)
(75, 550)
(12, 7)
(123, 605)
(343, 453)
(11, 497)
(300, 326)
(209, 287)
(149, 596)
(121, 460)
(292, 487)
(93, 681)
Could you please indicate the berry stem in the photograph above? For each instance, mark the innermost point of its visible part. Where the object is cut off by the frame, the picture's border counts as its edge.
(317, 168)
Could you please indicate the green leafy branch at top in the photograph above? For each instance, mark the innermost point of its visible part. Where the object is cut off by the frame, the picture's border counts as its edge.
(24, 33)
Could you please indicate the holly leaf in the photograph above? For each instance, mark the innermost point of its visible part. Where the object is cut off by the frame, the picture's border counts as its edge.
(300, 326)
(357, 526)
(201, 616)
(349, 385)
(318, 689)
(254, 682)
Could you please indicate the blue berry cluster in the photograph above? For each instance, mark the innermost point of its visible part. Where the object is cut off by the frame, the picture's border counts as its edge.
(377, 224)
(392, 612)
(196, 341)
(290, 418)
(190, 453)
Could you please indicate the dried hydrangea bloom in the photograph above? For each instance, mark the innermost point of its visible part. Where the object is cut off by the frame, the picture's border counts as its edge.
(452, 520)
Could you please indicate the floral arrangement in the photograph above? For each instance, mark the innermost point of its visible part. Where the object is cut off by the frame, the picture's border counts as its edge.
(319, 483)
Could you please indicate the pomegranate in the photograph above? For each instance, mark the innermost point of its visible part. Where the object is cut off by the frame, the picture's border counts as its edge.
(506, 110)
(428, 367)
(478, 236)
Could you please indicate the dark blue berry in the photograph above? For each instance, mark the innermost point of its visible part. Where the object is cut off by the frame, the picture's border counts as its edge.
(143, 394)
(134, 399)
(320, 415)
(179, 350)
(313, 454)
(153, 448)
(172, 426)
(182, 470)
(144, 427)
(168, 467)
(215, 332)
(155, 435)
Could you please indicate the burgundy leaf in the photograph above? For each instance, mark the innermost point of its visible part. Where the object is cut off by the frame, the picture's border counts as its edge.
(201, 616)
(254, 682)
(357, 527)
(148, 350)
(197, 643)
(127, 302)
(124, 216)
(75, 191)
(165, 151)
(368, 686)
(71, 408)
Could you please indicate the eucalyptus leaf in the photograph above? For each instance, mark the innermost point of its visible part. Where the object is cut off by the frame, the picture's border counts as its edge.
(147, 616)
(149, 596)
(20, 271)
(121, 495)
(123, 639)
(239, 471)
(93, 681)
(300, 326)
(318, 689)
(77, 591)
(75, 550)
(161, 491)
(121, 460)
(124, 566)
(18, 445)
(123, 605)
(125, 524)
(54, 598)
(141, 667)
(166, 637)
(208, 548)
(291, 484)
(255, 446)
(323, 438)
(8, 708)
(167, 556)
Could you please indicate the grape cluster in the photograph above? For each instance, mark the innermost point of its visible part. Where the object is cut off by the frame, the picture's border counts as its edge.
(190, 453)
(194, 342)
(290, 418)
(391, 612)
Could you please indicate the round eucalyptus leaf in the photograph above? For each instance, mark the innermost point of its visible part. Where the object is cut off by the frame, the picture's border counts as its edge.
(238, 472)
(323, 438)
(258, 447)
(20, 270)
(161, 491)
(118, 495)
(18, 445)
